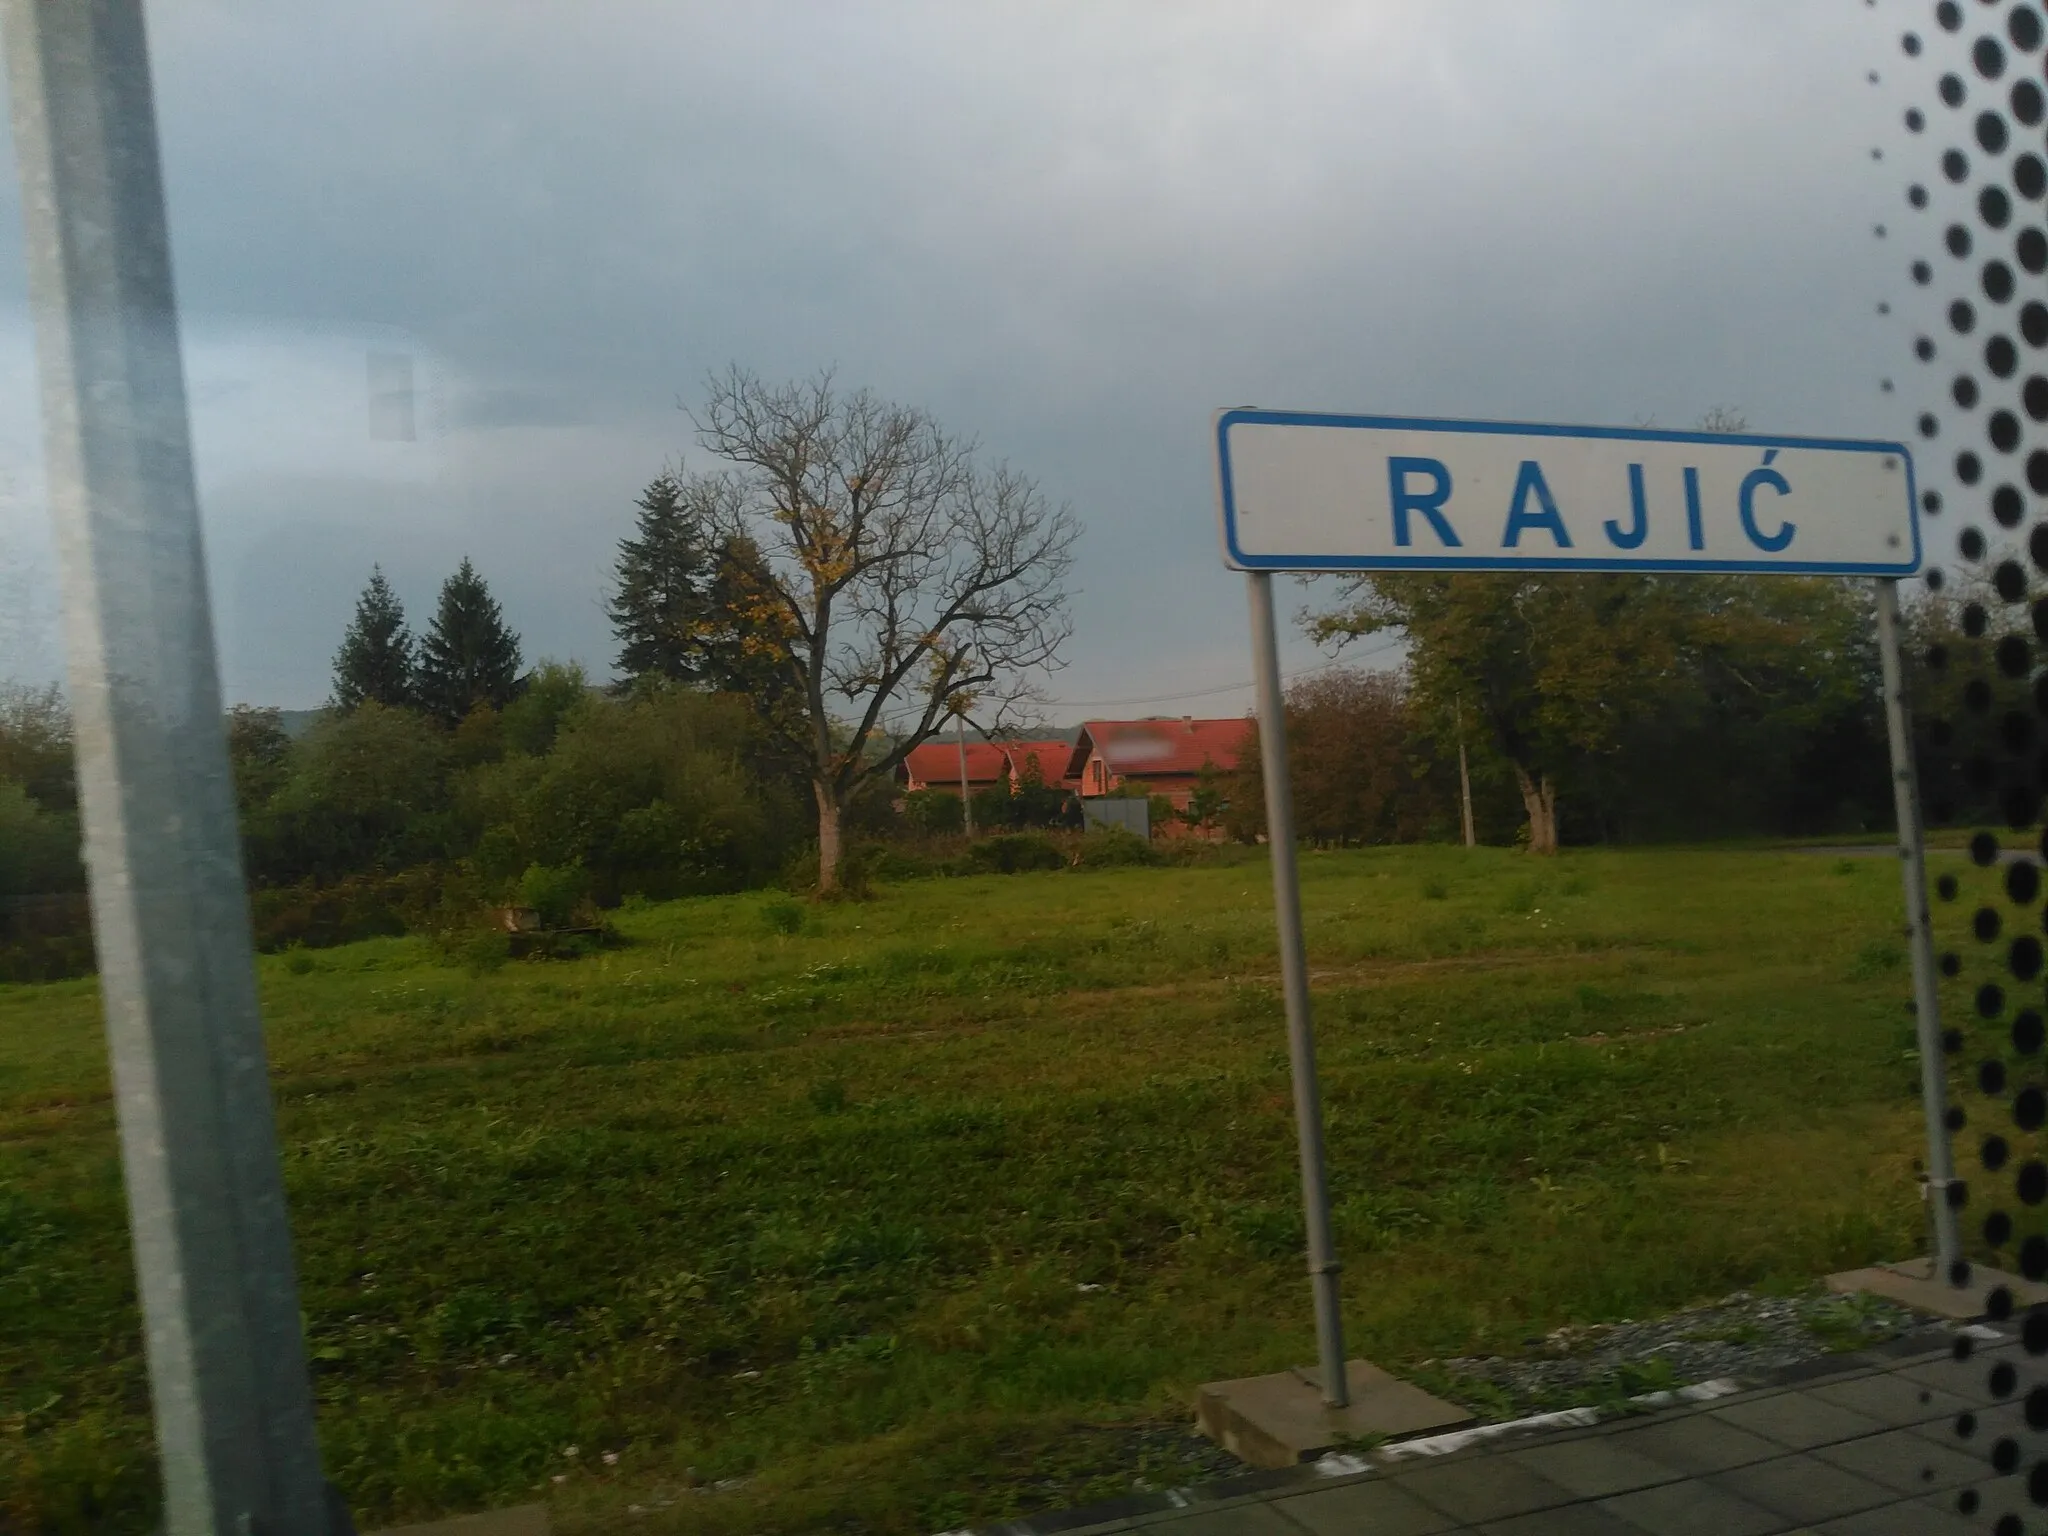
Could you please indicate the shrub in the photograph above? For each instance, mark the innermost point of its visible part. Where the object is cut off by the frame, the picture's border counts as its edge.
(554, 892)
(650, 795)
(1113, 847)
(782, 915)
(318, 916)
(367, 790)
(933, 812)
(1014, 853)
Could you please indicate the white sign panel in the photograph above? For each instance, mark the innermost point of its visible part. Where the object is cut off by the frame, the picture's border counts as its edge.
(1370, 493)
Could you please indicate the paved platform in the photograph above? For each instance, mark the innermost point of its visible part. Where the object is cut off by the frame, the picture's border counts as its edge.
(1856, 1445)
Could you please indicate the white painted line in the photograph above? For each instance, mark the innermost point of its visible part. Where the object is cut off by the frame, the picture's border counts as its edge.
(1566, 1418)
(1337, 1464)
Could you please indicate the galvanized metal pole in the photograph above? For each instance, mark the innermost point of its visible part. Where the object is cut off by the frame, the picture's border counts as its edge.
(227, 1365)
(1465, 781)
(966, 799)
(1301, 1039)
(1941, 1171)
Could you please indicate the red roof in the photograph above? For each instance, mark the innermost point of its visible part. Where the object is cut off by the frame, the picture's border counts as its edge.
(1054, 759)
(938, 763)
(1145, 749)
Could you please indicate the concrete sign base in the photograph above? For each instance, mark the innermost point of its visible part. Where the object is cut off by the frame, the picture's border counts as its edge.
(1282, 1420)
(1915, 1284)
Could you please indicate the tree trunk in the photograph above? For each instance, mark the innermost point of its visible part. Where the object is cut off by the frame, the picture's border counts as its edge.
(828, 839)
(1539, 800)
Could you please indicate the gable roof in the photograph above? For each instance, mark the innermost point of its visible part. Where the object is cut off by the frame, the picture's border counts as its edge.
(1055, 760)
(1140, 749)
(938, 763)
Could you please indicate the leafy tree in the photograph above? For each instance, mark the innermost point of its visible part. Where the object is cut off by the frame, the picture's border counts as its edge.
(259, 752)
(934, 811)
(649, 794)
(468, 658)
(35, 745)
(367, 790)
(1969, 663)
(1574, 679)
(550, 696)
(1352, 762)
(1209, 799)
(376, 661)
(1035, 803)
(38, 850)
(875, 569)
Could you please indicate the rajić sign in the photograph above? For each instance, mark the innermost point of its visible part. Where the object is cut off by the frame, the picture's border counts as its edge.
(1304, 491)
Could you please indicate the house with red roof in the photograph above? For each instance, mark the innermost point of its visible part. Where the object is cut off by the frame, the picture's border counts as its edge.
(935, 764)
(1054, 761)
(1166, 756)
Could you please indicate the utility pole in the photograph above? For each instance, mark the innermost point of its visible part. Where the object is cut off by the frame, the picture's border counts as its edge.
(966, 799)
(228, 1378)
(1465, 779)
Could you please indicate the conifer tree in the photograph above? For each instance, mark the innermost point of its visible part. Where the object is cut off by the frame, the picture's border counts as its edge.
(375, 663)
(468, 657)
(659, 607)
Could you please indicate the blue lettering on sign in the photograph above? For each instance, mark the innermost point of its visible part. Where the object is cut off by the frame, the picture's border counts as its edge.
(1530, 482)
(1753, 482)
(1695, 534)
(1429, 503)
(1639, 530)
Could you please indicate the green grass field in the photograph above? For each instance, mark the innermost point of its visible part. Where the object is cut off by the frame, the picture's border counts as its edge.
(885, 1215)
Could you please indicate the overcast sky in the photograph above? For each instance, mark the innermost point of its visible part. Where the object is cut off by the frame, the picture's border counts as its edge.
(1073, 230)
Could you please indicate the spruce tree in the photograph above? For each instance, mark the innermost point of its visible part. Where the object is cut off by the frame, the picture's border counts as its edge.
(659, 608)
(467, 657)
(375, 663)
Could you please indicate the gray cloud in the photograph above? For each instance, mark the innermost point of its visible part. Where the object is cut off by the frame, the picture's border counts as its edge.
(1072, 229)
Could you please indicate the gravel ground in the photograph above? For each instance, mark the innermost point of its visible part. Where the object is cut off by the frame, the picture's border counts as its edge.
(1742, 1336)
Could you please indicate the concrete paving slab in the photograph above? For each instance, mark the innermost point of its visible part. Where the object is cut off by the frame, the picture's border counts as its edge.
(1796, 1421)
(1904, 1461)
(1962, 1377)
(520, 1520)
(1805, 1489)
(1593, 1468)
(1915, 1519)
(1891, 1399)
(1696, 1443)
(1478, 1488)
(1693, 1509)
(1719, 1470)
(1281, 1420)
(1259, 1519)
(1381, 1508)
(1987, 1426)
(1576, 1520)
(1914, 1283)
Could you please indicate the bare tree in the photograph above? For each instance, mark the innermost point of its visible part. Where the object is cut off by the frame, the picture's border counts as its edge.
(891, 578)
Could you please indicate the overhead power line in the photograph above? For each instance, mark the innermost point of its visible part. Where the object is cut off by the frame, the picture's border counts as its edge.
(1203, 693)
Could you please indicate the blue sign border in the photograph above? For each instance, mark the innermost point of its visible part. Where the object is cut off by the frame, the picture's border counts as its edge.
(1225, 420)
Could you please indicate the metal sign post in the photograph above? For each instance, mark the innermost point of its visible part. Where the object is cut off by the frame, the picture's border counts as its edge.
(1301, 1036)
(1309, 491)
(1941, 1168)
(227, 1364)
